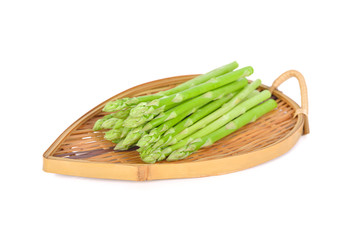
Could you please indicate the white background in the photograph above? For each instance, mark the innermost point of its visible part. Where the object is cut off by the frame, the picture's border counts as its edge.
(58, 59)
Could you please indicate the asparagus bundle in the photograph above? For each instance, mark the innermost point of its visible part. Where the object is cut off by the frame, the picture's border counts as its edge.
(174, 123)
(161, 154)
(174, 115)
(125, 102)
(147, 111)
(201, 113)
(172, 133)
(165, 126)
(190, 104)
(229, 128)
(224, 109)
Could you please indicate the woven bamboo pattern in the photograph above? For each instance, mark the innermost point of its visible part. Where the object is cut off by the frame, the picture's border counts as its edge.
(81, 143)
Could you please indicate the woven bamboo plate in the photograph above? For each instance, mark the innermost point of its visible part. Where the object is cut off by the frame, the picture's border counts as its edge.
(79, 151)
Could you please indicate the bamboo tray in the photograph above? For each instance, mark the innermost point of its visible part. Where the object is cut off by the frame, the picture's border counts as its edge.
(79, 151)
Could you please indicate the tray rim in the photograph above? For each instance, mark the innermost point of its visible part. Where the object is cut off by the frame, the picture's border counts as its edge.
(143, 171)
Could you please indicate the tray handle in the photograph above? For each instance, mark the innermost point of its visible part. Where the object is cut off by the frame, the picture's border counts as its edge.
(303, 92)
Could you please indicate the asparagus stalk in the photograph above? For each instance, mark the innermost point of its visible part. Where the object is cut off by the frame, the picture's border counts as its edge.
(110, 123)
(116, 141)
(121, 103)
(118, 124)
(191, 105)
(119, 145)
(125, 132)
(98, 124)
(195, 91)
(122, 114)
(235, 112)
(117, 133)
(207, 140)
(131, 138)
(195, 103)
(156, 133)
(201, 113)
(106, 123)
(218, 113)
(113, 134)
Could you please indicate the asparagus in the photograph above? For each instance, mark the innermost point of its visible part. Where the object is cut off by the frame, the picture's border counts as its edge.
(125, 132)
(131, 138)
(179, 97)
(241, 108)
(218, 113)
(122, 114)
(124, 102)
(117, 133)
(235, 112)
(185, 123)
(118, 124)
(207, 140)
(99, 122)
(120, 146)
(156, 133)
(116, 140)
(110, 123)
(201, 113)
(195, 103)
(107, 121)
(113, 134)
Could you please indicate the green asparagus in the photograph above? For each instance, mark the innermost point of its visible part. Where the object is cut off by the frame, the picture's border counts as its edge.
(173, 124)
(130, 139)
(195, 103)
(236, 111)
(113, 134)
(207, 140)
(124, 102)
(156, 133)
(98, 124)
(122, 114)
(110, 123)
(201, 113)
(218, 113)
(197, 90)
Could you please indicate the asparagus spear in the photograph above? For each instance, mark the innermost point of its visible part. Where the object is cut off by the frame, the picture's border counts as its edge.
(110, 123)
(107, 122)
(116, 140)
(99, 122)
(235, 112)
(122, 114)
(207, 140)
(117, 133)
(218, 113)
(120, 146)
(113, 134)
(179, 97)
(131, 138)
(194, 103)
(156, 133)
(201, 113)
(191, 105)
(118, 124)
(121, 103)
(125, 132)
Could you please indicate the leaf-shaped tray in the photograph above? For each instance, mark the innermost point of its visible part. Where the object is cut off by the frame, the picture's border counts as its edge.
(79, 151)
